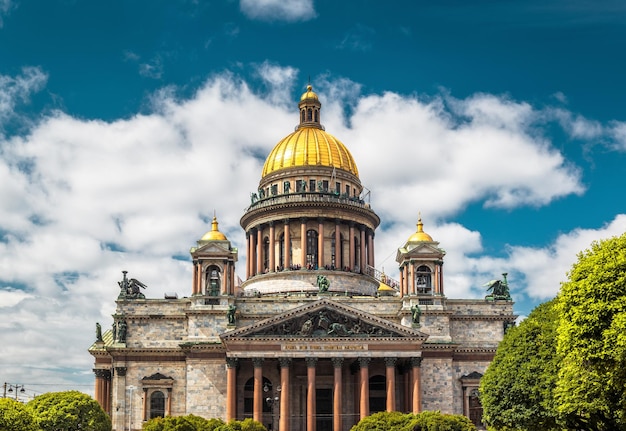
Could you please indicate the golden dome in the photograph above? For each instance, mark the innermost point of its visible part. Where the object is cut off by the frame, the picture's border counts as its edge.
(214, 234)
(420, 235)
(310, 146)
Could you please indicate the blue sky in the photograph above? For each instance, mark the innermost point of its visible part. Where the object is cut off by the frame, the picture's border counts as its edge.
(125, 125)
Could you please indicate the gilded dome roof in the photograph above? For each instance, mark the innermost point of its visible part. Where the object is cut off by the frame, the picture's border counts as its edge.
(214, 234)
(310, 144)
(420, 235)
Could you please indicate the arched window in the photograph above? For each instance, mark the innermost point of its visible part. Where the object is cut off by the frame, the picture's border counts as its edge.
(213, 280)
(302, 116)
(309, 114)
(311, 248)
(423, 280)
(378, 394)
(317, 115)
(157, 405)
(266, 254)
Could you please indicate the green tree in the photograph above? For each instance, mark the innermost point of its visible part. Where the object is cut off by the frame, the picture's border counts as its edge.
(182, 423)
(516, 391)
(425, 421)
(14, 416)
(244, 425)
(69, 410)
(592, 339)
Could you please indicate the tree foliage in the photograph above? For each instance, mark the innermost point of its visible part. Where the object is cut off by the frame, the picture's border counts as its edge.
(69, 410)
(14, 416)
(517, 388)
(592, 339)
(197, 423)
(425, 421)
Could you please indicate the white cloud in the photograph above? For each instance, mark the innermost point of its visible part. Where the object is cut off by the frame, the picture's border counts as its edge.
(85, 199)
(278, 10)
(18, 89)
(5, 7)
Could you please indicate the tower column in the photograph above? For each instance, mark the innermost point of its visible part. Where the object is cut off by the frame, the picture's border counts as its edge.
(259, 250)
(310, 393)
(412, 279)
(285, 415)
(390, 367)
(194, 279)
(362, 259)
(287, 250)
(364, 388)
(272, 250)
(370, 249)
(303, 242)
(417, 390)
(144, 406)
(351, 250)
(337, 393)
(231, 388)
(338, 256)
(320, 243)
(250, 251)
(257, 403)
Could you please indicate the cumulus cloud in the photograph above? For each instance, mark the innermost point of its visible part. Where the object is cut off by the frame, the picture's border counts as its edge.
(85, 199)
(278, 10)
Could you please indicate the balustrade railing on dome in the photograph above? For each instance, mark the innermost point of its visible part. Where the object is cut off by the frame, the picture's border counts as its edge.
(303, 197)
(382, 277)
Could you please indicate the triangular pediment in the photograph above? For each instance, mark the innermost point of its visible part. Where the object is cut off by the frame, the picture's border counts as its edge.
(322, 320)
(420, 251)
(213, 248)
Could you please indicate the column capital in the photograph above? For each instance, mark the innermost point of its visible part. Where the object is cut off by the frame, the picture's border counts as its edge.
(257, 362)
(286, 221)
(232, 362)
(337, 362)
(102, 374)
(284, 362)
(416, 362)
(311, 362)
(120, 371)
(364, 362)
(391, 362)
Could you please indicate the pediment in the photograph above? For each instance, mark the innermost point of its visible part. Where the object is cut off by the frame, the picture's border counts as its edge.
(421, 250)
(213, 248)
(322, 320)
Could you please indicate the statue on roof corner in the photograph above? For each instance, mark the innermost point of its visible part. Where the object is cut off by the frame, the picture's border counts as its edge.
(499, 289)
(130, 288)
(98, 332)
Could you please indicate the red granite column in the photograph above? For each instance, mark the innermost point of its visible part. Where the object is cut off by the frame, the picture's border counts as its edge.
(144, 407)
(370, 250)
(320, 243)
(337, 394)
(390, 364)
(351, 251)
(363, 260)
(338, 256)
(287, 250)
(272, 250)
(364, 388)
(259, 251)
(303, 242)
(257, 403)
(249, 255)
(412, 279)
(285, 414)
(417, 390)
(231, 389)
(310, 394)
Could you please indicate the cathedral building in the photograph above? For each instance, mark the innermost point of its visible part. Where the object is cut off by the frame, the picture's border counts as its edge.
(315, 338)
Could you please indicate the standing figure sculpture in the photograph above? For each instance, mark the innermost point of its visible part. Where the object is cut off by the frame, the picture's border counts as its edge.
(322, 283)
(230, 314)
(416, 312)
(98, 332)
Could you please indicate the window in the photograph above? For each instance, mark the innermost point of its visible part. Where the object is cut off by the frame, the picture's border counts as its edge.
(312, 187)
(423, 280)
(309, 114)
(337, 187)
(274, 189)
(157, 405)
(311, 249)
(325, 186)
(378, 394)
(213, 281)
(266, 254)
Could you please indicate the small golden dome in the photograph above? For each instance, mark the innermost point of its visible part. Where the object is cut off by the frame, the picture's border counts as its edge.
(310, 146)
(309, 94)
(420, 235)
(214, 234)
